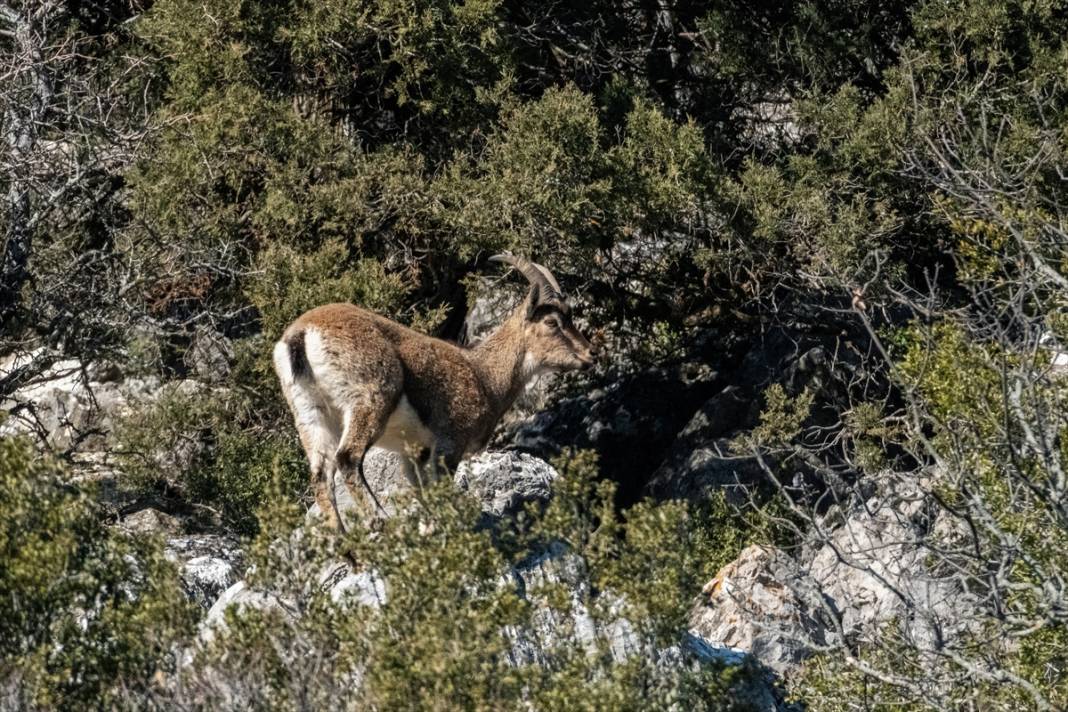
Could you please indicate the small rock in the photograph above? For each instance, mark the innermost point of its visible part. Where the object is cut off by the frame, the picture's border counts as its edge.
(366, 587)
(240, 597)
(152, 521)
(210, 355)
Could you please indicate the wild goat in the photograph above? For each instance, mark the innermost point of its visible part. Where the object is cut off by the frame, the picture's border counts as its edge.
(354, 379)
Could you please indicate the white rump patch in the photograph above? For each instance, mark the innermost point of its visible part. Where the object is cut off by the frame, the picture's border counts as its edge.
(281, 363)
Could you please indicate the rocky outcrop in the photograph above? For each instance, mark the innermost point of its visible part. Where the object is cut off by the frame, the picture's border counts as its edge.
(240, 597)
(701, 459)
(208, 564)
(503, 482)
(69, 405)
(859, 573)
(878, 566)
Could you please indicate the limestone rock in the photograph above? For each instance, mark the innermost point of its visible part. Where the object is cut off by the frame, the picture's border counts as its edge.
(208, 564)
(240, 597)
(210, 355)
(489, 309)
(877, 559)
(504, 481)
(361, 588)
(385, 475)
(868, 569)
(749, 605)
(152, 521)
(69, 405)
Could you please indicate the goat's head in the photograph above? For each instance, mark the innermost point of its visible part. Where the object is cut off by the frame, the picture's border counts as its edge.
(553, 343)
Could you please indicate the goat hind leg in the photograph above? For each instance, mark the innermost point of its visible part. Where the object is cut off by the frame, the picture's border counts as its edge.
(363, 425)
(322, 481)
(319, 437)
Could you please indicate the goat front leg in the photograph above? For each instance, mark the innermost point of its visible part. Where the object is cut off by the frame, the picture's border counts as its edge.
(438, 459)
(426, 470)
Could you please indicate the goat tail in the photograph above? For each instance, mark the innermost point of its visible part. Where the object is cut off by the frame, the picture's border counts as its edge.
(298, 357)
(291, 359)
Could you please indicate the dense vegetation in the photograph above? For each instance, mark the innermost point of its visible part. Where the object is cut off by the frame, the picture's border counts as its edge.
(884, 180)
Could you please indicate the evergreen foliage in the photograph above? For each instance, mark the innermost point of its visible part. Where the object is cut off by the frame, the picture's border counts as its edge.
(451, 625)
(884, 178)
(88, 614)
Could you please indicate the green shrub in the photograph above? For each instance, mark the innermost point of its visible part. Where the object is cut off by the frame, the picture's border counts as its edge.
(289, 283)
(444, 637)
(214, 447)
(88, 614)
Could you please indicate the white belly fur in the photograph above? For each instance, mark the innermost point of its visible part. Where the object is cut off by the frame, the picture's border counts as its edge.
(404, 430)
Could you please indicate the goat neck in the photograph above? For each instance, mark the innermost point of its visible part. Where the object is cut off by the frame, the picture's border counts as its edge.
(502, 360)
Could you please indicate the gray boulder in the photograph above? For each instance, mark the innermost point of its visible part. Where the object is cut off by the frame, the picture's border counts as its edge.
(504, 481)
(210, 355)
(489, 309)
(151, 521)
(348, 587)
(878, 566)
(240, 597)
(753, 604)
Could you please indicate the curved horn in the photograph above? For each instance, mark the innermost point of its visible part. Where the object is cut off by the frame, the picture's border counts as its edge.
(548, 288)
(550, 278)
